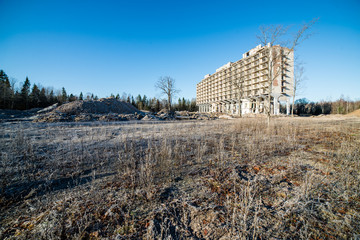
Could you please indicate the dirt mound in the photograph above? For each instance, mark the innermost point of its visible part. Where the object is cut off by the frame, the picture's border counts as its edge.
(105, 109)
(355, 113)
(102, 106)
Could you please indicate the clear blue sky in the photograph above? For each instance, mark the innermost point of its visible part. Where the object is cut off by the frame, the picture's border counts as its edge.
(106, 47)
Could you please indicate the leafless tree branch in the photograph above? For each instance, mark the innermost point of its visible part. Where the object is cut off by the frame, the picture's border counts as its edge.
(166, 85)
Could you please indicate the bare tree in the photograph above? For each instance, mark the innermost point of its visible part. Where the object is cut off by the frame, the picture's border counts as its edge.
(166, 85)
(299, 79)
(238, 85)
(269, 37)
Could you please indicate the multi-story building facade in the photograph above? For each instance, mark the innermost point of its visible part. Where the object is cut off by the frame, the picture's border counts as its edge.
(263, 74)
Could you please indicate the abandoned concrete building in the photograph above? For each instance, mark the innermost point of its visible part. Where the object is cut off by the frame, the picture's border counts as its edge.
(264, 73)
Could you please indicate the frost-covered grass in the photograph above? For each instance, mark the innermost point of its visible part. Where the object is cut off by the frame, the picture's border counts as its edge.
(207, 179)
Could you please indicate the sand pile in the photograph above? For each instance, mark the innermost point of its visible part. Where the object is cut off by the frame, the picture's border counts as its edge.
(355, 113)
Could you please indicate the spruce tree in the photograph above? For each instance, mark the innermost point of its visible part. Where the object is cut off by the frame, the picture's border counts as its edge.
(5, 90)
(184, 104)
(63, 96)
(193, 107)
(139, 103)
(145, 103)
(25, 90)
(81, 97)
(133, 101)
(52, 99)
(72, 98)
(34, 97)
(42, 98)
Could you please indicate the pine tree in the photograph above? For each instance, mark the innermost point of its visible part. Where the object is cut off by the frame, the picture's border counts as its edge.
(24, 95)
(34, 97)
(42, 98)
(17, 100)
(52, 99)
(179, 107)
(184, 104)
(139, 103)
(64, 96)
(145, 103)
(133, 101)
(193, 107)
(72, 98)
(81, 97)
(5, 90)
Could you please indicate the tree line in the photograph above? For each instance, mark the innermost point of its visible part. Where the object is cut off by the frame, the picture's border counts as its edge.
(36, 96)
(304, 106)
(27, 97)
(155, 104)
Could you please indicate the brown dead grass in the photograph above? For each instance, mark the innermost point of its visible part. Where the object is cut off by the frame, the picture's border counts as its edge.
(231, 179)
(355, 113)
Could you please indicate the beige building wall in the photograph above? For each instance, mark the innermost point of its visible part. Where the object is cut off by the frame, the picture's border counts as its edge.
(248, 78)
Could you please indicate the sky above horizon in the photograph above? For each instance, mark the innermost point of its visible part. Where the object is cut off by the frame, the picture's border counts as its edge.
(109, 47)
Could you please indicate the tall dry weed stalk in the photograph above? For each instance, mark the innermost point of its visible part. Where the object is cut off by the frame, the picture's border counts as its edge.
(233, 179)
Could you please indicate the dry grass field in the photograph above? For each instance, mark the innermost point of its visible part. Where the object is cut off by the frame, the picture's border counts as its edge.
(221, 179)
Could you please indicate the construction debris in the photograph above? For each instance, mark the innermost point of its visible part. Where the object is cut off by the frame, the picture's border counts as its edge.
(101, 106)
(225, 117)
(105, 110)
(110, 110)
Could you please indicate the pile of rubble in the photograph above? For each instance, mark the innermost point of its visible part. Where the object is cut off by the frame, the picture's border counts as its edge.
(85, 117)
(101, 106)
(109, 110)
(104, 109)
(178, 115)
